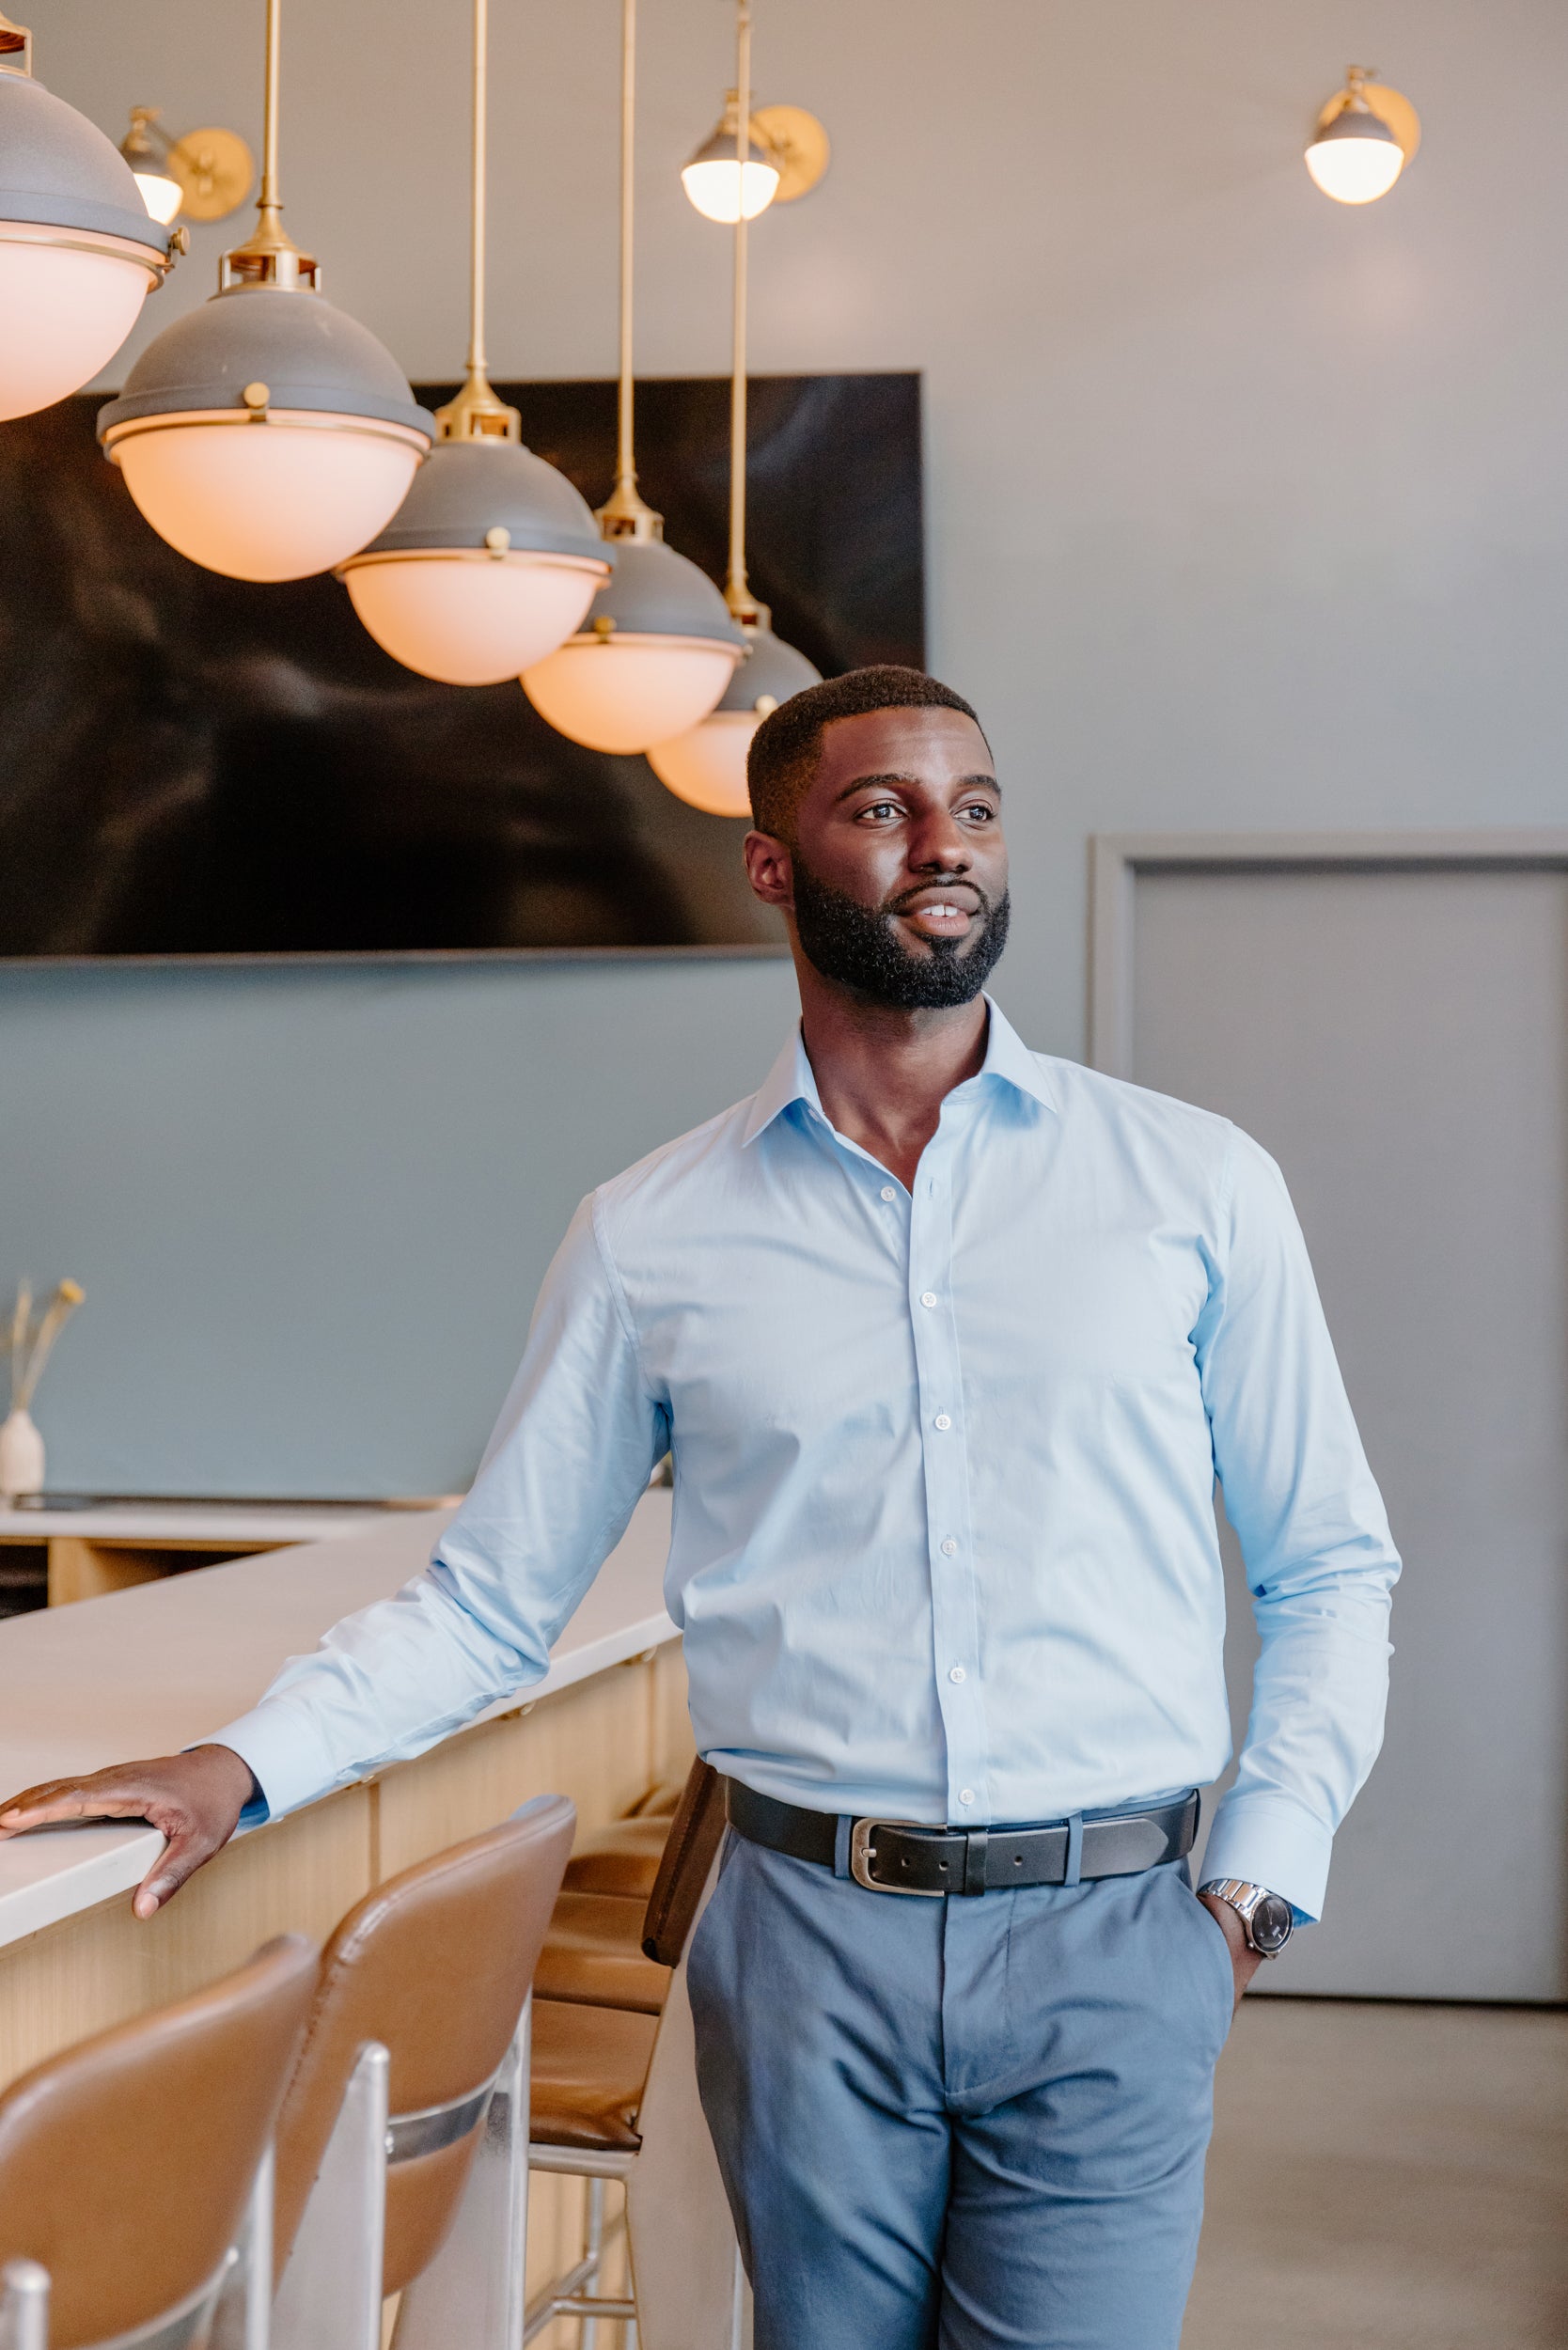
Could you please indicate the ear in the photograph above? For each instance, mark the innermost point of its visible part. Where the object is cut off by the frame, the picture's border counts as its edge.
(769, 870)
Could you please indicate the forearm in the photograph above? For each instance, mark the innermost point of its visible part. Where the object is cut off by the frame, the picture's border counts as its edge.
(1319, 1694)
(382, 1686)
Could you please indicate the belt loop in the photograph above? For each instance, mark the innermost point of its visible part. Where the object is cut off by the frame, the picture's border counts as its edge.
(843, 1828)
(1075, 1849)
(976, 1842)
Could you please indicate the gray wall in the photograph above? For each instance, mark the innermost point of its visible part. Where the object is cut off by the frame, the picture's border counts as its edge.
(1246, 509)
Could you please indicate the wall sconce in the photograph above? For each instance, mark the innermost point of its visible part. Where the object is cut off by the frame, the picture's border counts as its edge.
(788, 154)
(206, 175)
(1365, 136)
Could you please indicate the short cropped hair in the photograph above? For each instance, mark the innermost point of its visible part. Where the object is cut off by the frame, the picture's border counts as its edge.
(789, 742)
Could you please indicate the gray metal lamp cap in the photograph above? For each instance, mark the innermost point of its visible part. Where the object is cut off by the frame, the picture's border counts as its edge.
(307, 353)
(653, 591)
(57, 170)
(771, 671)
(465, 489)
(1355, 122)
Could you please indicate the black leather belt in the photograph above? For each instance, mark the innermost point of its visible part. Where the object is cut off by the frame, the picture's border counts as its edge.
(900, 1856)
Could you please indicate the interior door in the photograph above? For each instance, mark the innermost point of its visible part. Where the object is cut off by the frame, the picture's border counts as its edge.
(1398, 1039)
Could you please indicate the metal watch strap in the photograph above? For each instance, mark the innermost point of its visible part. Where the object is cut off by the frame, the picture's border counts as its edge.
(1245, 1898)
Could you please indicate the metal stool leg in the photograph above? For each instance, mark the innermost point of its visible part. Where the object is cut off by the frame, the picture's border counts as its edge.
(330, 2297)
(472, 2292)
(23, 2306)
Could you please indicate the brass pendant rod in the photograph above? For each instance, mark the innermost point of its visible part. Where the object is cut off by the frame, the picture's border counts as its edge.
(270, 201)
(624, 514)
(626, 471)
(477, 359)
(736, 593)
(269, 256)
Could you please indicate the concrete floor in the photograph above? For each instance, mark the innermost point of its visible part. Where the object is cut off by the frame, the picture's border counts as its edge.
(1387, 2177)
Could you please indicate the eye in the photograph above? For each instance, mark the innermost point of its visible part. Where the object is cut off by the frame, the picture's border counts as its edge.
(881, 809)
(982, 810)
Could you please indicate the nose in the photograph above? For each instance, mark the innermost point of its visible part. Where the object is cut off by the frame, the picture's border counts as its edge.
(938, 844)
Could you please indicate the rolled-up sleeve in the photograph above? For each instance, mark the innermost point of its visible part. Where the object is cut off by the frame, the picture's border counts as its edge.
(1320, 1560)
(571, 1454)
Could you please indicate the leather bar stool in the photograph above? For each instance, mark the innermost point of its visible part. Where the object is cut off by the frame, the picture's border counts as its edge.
(622, 1859)
(614, 2096)
(402, 2141)
(663, 1801)
(134, 2174)
(593, 1955)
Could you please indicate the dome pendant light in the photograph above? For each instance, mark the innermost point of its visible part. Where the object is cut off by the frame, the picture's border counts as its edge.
(266, 435)
(659, 646)
(79, 251)
(706, 765)
(492, 559)
(1364, 137)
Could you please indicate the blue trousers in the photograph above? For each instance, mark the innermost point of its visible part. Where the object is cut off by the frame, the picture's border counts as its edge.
(967, 2123)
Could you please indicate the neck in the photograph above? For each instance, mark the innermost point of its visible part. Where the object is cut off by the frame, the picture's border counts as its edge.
(883, 1074)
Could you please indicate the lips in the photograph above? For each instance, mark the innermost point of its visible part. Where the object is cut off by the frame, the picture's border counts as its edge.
(938, 911)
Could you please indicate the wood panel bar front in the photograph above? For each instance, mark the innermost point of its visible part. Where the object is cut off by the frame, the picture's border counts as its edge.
(604, 1739)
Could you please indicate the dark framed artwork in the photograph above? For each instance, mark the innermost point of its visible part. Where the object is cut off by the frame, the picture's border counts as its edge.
(195, 766)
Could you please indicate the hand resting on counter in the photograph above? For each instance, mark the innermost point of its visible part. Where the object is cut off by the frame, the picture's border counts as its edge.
(194, 1800)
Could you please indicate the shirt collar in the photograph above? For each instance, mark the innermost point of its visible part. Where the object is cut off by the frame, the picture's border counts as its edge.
(791, 1078)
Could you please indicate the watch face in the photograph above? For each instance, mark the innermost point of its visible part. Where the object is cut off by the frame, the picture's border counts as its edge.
(1272, 1922)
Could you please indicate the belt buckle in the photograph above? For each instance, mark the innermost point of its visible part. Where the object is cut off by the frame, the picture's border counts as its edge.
(863, 1852)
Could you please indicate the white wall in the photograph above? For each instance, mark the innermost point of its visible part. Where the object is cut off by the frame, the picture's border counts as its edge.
(1246, 509)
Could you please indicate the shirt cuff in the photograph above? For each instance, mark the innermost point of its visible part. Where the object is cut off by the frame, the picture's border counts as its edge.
(287, 1760)
(1266, 1839)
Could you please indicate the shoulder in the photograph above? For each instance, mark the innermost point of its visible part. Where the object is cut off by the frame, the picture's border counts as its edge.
(694, 1166)
(1115, 1109)
(1171, 1139)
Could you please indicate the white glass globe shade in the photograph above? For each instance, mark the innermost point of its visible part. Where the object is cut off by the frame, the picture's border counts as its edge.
(468, 617)
(66, 313)
(622, 693)
(163, 196)
(711, 184)
(1352, 170)
(706, 766)
(278, 500)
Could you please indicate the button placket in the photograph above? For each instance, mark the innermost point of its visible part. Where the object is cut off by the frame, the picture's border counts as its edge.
(938, 1372)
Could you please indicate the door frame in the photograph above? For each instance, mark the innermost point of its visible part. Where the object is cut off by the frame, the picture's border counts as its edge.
(1116, 859)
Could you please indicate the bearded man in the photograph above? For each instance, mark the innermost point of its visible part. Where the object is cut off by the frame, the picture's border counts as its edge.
(949, 1341)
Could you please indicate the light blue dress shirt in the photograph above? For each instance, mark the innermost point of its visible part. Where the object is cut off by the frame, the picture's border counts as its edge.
(943, 1542)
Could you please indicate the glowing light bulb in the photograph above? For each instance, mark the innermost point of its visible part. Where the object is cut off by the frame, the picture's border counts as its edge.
(162, 195)
(1355, 167)
(719, 186)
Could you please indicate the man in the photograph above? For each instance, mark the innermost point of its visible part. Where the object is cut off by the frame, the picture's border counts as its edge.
(949, 1341)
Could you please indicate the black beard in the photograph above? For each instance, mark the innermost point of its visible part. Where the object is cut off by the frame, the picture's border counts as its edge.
(858, 947)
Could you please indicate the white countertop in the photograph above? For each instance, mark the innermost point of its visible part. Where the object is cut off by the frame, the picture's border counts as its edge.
(154, 1669)
(202, 1524)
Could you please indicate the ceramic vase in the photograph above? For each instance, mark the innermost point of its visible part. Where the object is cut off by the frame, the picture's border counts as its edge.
(20, 1456)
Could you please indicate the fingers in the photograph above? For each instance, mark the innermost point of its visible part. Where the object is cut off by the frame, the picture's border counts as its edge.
(106, 1794)
(181, 1857)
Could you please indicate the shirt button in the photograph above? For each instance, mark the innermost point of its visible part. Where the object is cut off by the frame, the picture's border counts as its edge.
(942, 1420)
(948, 1547)
(888, 1192)
(966, 1795)
(928, 1297)
(958, 1673)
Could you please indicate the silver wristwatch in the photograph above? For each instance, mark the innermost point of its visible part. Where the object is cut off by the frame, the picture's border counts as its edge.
(1268, 1918)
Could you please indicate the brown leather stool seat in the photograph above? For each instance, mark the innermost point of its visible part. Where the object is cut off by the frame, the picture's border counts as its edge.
(621, 1858)
(435, 1966)
(661, 1802)
(590, 2065)
(593, 1955)
(128, 2161)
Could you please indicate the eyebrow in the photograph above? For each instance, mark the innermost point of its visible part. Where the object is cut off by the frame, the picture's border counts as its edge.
(966, 783)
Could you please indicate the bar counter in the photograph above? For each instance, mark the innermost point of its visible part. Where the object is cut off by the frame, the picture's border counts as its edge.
(152, 1669)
